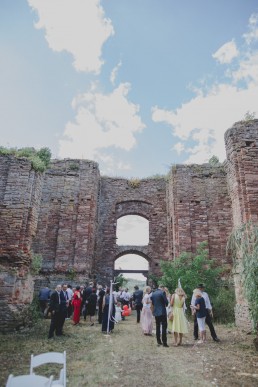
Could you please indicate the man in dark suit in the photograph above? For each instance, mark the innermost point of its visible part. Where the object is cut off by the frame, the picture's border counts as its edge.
(64, 302)
(56, 315)
(159, 301)
(137, 298)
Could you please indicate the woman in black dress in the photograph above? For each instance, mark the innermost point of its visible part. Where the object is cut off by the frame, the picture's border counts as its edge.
(91, 306)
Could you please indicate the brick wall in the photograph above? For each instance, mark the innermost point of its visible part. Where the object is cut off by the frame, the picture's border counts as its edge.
(242, 175)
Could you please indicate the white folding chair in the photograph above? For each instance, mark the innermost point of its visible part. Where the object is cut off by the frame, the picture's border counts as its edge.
(51, 357)
(29, 381)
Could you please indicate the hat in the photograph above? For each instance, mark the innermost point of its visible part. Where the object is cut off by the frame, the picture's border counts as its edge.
(200, 286)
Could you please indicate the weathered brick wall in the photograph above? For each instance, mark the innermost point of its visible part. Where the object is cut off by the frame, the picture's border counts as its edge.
(119, 198)
(20, 192)
(68, 217)
(242, 175)
(199, 209)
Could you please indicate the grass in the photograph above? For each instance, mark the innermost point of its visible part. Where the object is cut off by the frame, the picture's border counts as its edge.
(128, 358)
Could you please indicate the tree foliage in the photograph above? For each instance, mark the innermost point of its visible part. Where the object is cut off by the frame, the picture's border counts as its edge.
(192, 270)
(120, 281)
(199, 268)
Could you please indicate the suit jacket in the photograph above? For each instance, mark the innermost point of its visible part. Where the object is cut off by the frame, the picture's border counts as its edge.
(137, 297)
(54, 304)
(159, 301)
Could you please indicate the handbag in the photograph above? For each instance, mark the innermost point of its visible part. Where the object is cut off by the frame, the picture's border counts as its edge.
(170, 316)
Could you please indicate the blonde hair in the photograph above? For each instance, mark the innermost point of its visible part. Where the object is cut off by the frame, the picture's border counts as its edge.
(148, 288)
(180, 292)
(197, 292)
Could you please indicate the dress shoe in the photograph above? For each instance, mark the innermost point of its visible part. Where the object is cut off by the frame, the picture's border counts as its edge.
(159, 342)
(165, 345)
(216, 339)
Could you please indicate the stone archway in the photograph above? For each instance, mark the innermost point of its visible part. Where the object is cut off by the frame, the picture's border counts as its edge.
(117, 199)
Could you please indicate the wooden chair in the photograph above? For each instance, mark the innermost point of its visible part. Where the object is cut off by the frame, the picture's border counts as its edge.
(51, 357)
(29, 381)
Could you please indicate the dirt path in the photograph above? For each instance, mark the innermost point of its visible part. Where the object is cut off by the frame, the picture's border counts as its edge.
(128, 358)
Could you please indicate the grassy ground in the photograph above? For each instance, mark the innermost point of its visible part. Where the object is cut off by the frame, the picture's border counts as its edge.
(128, 358)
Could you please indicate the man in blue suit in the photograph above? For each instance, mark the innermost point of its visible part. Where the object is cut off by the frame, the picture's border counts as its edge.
(159, 301)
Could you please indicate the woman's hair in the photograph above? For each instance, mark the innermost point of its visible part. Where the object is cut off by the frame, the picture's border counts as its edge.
(180, 292)
(148, 288)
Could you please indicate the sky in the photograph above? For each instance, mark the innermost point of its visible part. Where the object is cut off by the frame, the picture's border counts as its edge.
(136, 85)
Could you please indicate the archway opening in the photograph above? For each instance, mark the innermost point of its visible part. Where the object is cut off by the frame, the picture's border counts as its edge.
(132, 230)
(132, 262)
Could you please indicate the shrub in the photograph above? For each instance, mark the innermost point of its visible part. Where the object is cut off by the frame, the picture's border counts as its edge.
(36, 264)
(39, 159)
(224, 304)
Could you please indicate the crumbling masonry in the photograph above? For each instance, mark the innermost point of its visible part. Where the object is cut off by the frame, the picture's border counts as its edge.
(69, 215)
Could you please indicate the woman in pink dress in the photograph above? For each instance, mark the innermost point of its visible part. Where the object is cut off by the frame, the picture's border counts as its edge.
(76, 302)
(146, 316)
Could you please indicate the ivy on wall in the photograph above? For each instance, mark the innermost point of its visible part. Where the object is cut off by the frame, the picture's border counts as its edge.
(243, 245)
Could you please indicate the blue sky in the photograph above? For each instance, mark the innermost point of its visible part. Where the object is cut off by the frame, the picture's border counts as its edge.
(136, 85)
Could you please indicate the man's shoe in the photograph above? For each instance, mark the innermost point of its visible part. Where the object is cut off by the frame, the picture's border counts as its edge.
(165, 345)
(159, 342)
(216, 339)
(195, 338)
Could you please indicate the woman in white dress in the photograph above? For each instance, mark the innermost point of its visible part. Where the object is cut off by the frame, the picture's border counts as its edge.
(146, 316)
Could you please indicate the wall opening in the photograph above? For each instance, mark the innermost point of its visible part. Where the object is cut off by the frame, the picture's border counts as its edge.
(132, 230)
(132, 262)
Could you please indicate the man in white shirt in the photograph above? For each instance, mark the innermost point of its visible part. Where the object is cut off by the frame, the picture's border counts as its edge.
(209, 314)
(126, 297)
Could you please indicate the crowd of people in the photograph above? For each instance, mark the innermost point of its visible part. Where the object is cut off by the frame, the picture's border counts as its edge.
(94, 301)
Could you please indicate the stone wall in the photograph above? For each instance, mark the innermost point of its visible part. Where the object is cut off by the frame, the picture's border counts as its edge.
(120, 197)
(20, 193)
(199, 209)
(69, 216)
(242, 175)
(68, 219)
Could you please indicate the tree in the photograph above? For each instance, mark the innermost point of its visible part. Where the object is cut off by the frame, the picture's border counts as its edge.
(120, 281)
(192, 270)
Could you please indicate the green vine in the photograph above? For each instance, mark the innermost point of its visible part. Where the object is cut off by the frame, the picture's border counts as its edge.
(36, 264)
(243, 245)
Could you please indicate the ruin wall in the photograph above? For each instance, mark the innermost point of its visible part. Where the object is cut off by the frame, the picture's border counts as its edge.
(199, 210)
(20, 193)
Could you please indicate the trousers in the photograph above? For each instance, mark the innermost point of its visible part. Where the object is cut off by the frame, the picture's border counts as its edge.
(208, 321)
(161, 322)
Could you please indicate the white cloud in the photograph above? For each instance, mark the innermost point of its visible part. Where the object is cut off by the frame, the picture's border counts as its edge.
(179, 147)
(102, 121)
(204, 119)
(76, 26)
(226, 53)
(248, 69)
(252, 34)
(200, 123)
(114, 72)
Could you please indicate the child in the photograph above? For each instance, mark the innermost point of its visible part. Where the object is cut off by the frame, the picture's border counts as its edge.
(118, 315)
(200, 314)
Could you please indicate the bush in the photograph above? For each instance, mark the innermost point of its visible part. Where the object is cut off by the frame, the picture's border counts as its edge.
(192, 270)
(39, 159)
(223, 305)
